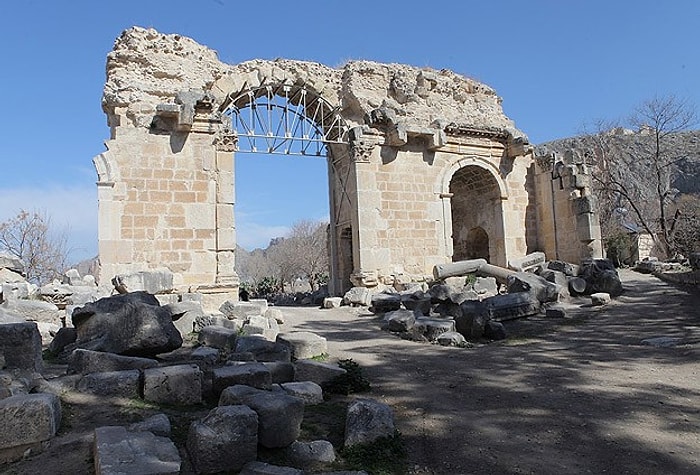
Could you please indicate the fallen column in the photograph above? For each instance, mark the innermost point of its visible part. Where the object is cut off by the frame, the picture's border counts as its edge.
(500, 273)
(457, 269)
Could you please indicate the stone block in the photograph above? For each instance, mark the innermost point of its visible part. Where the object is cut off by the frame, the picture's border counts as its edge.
(494, 331)
(399, 320)
(158, 424)
(262, 468)
(276, 314)
(33, 310)
(64, 337)
(368, 420)
(527, 262)
(259, 325)
(451, 339)
(382, 303)
(26, 421)
(185, 314)
(332, 302)
(600, 298)
(417, 302)
(511, 306)
(280, 371)
(225, 440)
(215, 320)
(20, 345)
(126, 384)
(310, 455)
(539, 287)
(307, 391)
(263, 349)
(87, 361)
(316, 371)
(253, 374)
(152, 281)
(279, 415)
(218, 337)
(119, 451)
(303, 345)
(555, 311)
(178, 385)
(9, 261)
(431, 328)
(358, 296)
(16, 290)
(243, 310)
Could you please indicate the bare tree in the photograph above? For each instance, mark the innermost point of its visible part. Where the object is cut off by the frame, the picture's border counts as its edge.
(662, 117)
(310, 240)
(639, 181)
(686, 224)
(302, 253)
(30, 237)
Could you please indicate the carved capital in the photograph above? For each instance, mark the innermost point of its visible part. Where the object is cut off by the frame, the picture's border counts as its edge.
(545, 162)
(226, 142)
(361, 150)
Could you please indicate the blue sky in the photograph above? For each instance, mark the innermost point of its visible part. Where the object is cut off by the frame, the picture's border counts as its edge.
(556, 64)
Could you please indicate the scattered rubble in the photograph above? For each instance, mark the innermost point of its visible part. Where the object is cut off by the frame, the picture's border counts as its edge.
(473, 298)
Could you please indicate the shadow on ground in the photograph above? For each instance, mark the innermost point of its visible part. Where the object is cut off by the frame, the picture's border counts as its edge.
(581, 395)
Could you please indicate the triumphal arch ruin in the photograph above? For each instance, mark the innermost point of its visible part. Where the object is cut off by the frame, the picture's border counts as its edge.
(424, 167)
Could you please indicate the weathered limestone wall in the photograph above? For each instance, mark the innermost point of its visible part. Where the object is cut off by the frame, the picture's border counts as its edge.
(428, 155)
(159, 206)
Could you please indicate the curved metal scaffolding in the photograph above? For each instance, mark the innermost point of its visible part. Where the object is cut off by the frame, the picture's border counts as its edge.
(286, 119)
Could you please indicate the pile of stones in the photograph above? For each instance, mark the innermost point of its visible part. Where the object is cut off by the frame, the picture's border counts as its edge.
(469, 300)
(133, 346)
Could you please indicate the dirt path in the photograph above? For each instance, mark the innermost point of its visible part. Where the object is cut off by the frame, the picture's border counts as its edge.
(585, 395)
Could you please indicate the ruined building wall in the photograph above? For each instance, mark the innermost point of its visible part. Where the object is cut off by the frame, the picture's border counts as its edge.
(428, 155)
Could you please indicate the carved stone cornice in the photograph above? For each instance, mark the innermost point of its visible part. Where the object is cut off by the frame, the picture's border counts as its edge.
(472, 131)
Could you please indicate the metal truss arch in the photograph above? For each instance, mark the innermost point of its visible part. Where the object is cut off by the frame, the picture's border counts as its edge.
(284, 119)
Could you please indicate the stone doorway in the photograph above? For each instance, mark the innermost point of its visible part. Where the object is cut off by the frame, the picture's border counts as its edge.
(477, 219)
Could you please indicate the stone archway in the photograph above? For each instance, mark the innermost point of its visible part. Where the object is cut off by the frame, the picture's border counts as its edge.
(402, 192)
(477, 215)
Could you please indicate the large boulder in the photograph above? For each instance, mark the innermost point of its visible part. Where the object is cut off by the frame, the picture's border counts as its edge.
(601, 276)
(129, 324)
(368, 420)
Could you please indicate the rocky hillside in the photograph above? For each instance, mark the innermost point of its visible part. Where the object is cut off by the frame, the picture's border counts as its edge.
(632, 148)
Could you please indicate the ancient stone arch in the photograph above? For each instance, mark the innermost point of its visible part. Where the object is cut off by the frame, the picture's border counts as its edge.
(166, 181)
